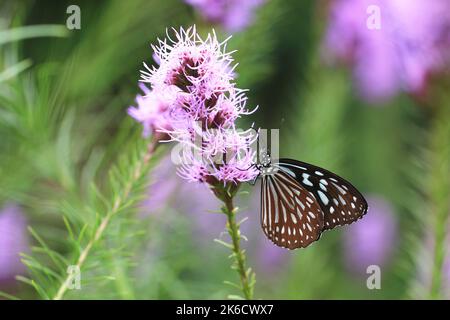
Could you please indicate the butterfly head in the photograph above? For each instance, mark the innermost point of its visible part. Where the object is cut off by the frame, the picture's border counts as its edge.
(266, 160)
(265, 166)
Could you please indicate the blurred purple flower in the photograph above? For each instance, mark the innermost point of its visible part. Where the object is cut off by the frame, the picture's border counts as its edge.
(13, 241)
(232, 15)
(168, 190)
(163, 186)
(372, 240)
(200, 204)
(412, 42)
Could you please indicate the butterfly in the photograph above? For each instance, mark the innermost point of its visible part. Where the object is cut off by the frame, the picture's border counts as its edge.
(299, 201)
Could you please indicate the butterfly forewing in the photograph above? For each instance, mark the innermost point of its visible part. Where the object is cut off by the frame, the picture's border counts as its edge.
(290, 215)
(339, 200)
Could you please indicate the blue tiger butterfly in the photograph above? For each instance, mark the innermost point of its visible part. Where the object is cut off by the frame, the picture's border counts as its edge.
(299, 201)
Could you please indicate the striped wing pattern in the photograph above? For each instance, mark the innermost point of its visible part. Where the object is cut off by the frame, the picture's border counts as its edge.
(290, 215)
(299, 201)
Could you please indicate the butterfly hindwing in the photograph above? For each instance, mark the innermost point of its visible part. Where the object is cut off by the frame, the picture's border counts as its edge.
(290, 215)
(339, 200)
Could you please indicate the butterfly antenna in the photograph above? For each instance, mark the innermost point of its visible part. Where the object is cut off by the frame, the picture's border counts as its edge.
(251, 166)
(257, 141)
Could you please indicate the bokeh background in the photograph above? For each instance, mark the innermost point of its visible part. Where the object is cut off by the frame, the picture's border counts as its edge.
(372, 105)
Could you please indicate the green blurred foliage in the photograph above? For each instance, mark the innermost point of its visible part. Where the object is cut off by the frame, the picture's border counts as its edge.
(63, 126)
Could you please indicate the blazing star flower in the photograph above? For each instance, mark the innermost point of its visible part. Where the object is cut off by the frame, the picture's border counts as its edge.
(371, 241)
(411, 42)
(13, 241)
(152, 109)
(232, 15)
(195, 102)
(201, 107)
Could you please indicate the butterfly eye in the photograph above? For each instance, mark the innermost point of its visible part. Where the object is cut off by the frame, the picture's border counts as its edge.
(265, 158)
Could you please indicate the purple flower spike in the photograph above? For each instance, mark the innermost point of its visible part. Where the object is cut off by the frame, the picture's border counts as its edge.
(232, 15)
(392, 45)
(372, 240)
(194, 101)
(153, 109)
(13, 241)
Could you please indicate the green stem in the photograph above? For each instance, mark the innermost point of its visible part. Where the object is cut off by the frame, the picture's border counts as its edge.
(246, 276)
(439, 197)
(138, 172)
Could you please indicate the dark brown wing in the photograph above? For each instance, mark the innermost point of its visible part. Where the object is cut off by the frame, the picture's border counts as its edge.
(291, 217)
(340, 201)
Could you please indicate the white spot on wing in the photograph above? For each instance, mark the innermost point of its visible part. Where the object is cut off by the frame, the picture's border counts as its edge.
(323, 197)
(289, 172)
(294, 218)
(305, 179)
